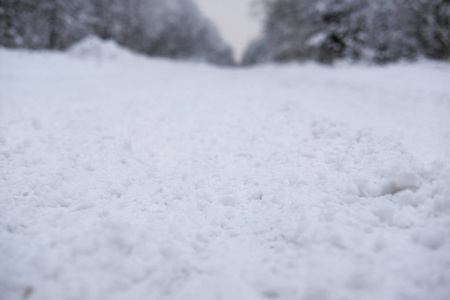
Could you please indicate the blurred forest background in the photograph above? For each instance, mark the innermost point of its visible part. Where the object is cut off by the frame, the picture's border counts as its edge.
(294, 30)
(168, 28)
(375, 30)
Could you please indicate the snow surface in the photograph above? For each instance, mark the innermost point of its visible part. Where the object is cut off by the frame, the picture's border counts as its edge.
(123, 177)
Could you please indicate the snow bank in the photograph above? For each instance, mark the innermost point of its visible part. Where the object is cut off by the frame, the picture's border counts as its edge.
(153, 180)
(93, 47)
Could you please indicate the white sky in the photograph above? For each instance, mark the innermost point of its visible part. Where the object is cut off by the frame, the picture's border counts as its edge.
(234, 20)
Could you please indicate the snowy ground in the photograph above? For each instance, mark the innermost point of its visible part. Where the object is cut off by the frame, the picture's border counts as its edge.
(123, 177)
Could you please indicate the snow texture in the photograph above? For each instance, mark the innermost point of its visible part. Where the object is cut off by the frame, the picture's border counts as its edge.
(123, 177)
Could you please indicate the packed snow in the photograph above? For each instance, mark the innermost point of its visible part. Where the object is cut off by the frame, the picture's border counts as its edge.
(123, 177)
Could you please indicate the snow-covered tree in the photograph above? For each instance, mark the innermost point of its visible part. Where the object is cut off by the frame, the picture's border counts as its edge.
(174, 29)
(305, 29)
(53, 24)
(377, 30)
(432, 19)
(391, 31)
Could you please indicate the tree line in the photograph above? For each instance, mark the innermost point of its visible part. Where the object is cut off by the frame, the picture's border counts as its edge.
(294, 30)
(169, 28)
(375, 30)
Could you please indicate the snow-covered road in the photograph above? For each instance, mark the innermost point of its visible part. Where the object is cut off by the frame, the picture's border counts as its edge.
(123, 177)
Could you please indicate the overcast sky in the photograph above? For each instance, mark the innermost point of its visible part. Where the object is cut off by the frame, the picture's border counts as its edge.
(234, 20)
